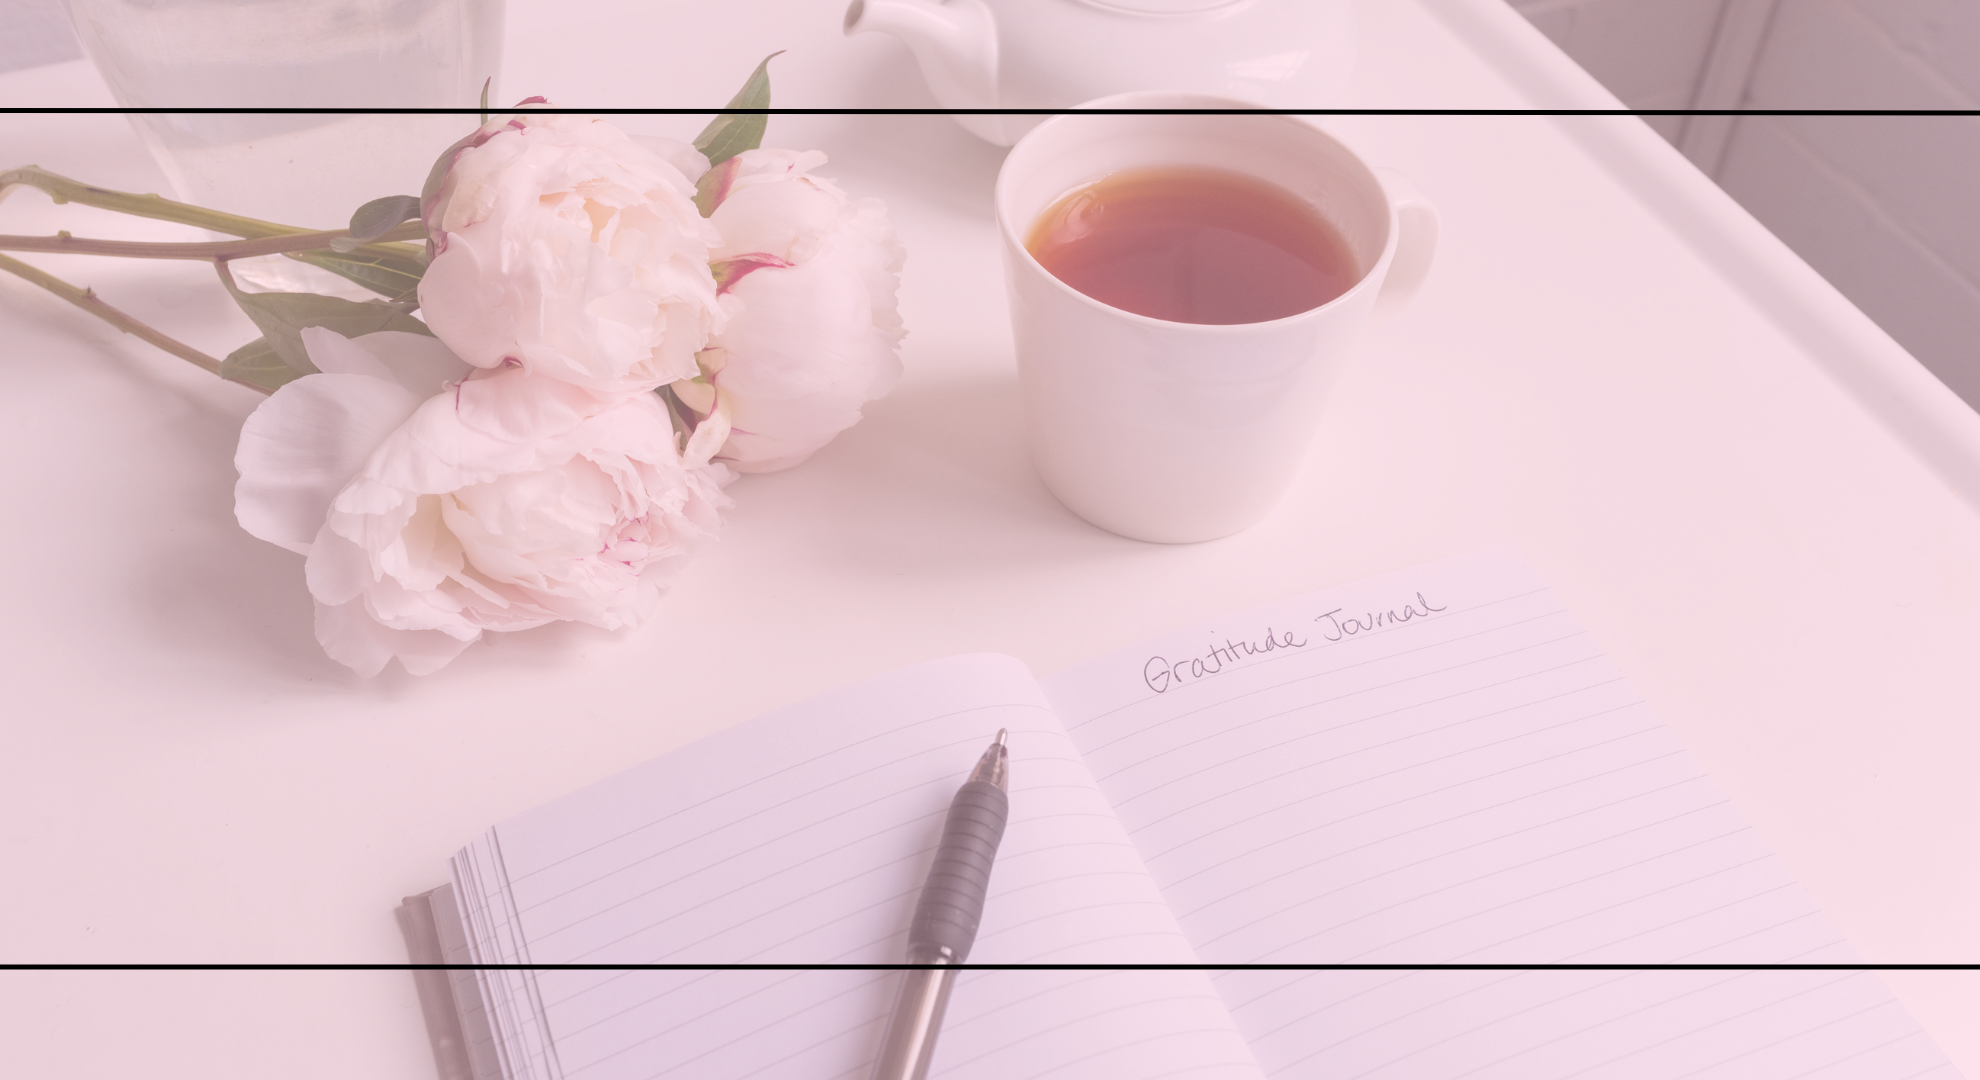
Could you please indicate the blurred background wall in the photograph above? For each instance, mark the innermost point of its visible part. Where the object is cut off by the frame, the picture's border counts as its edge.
(1886, 208)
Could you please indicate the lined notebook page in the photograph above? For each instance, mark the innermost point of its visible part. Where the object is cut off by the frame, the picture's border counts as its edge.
(804, 837)
(1439, 766)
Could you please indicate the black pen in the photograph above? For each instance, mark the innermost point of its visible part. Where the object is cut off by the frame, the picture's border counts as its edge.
(946, 917)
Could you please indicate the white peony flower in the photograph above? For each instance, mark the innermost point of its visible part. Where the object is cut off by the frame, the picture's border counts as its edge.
(564, 245)
(435, 502)
(808, 281)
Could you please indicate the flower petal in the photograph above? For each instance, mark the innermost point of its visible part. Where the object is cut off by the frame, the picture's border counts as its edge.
(302, 445)
(773, 208)
(517, 406)
(680, 155)
(803, 356)
(338, 570)
(353, 639)
(335, 354)
(463, 303)
(708, 437)
(575, 252)
(421, 364)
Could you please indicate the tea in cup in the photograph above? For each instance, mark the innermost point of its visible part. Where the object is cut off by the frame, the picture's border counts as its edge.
(1185, 288)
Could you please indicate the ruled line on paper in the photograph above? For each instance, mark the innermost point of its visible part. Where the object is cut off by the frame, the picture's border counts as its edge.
(765, 780)
(1474, 990)
(1447, 1001)
(807, 795)
(1773, 1003)
(1291, 870)
(1424, 763)
(1574, 998)
(1185, 1071)
(813, 1048)
(1558, 1000)
(1941, 1067)
(1307, 834)
(799, 1052)
(903, 896)
(825, 856)
(1614, 1019)
(628, 1046)
(1100, 939)
(1631, 899)
(1441, 889)
(1224, 732)
(1802, 916)
(1778, 887)
(1384, 840)
(1058, 1027)
(1320, 704)
(717, 1048)
(901, 900)
(747, 885)
(865, 947)
(897, 900)
(992, 1015)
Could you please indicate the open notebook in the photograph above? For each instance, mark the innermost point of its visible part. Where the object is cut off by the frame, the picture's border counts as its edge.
(1433, 767)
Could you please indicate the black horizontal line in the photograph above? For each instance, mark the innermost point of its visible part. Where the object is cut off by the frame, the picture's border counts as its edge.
(991, 967)
(332, 111)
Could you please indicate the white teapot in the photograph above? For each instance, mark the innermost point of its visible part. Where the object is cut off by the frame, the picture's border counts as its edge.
(1054, 54)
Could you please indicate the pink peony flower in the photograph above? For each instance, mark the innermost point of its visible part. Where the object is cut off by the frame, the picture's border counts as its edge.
(435, 502)
(564, 245)
(808, 281)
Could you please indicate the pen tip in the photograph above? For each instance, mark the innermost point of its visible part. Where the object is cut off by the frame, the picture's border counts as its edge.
(994, 766)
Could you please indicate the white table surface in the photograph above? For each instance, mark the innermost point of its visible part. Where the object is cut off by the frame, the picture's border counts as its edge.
(1763, 534)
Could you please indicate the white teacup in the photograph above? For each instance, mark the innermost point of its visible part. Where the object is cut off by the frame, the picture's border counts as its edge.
(1178, 432)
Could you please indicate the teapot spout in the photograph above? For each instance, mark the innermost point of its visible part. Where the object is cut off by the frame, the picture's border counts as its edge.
(954, 42)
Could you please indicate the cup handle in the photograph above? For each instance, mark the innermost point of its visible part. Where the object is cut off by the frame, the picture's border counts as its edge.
(1416, 242)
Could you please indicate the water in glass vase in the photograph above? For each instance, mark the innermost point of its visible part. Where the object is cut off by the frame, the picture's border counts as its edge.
(304, 170)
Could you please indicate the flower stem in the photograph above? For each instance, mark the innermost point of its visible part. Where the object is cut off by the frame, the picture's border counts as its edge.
(86, 299)
(63, 243)
(64, 190)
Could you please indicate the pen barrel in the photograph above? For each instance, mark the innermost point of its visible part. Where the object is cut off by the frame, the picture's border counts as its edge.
(944, 926)
(910, 1043)
(951, 903)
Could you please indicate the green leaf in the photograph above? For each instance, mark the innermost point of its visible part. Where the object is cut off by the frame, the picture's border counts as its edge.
(258, 364)
(283, 317)
(390, 270)
(377, 217)
(731, 133)
(713, 187)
